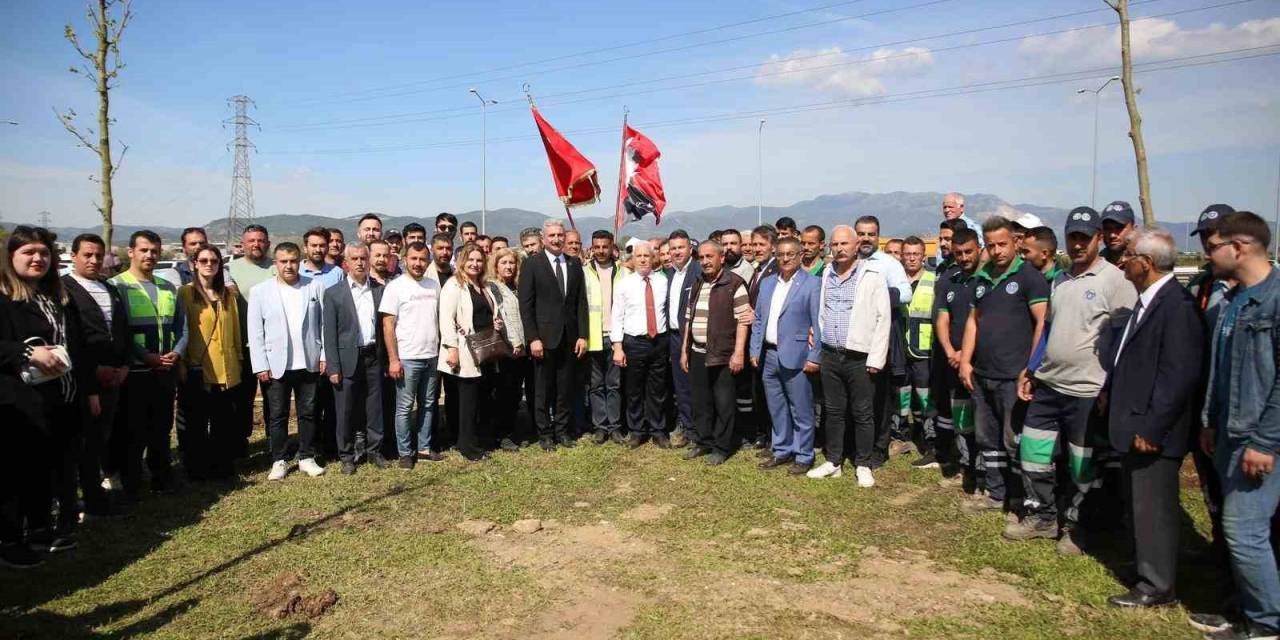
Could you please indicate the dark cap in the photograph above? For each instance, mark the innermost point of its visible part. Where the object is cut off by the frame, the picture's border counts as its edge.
(1118, 211)
(1082, 220)
(1210, 216)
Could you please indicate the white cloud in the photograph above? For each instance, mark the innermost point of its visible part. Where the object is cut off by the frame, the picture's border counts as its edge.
(833, 69)
(1152, 39)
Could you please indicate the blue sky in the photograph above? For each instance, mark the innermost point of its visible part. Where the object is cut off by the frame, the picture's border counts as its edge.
(331, 80)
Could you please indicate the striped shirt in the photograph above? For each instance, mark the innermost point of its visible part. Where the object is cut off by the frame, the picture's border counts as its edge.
(837, 307)
(702, 311)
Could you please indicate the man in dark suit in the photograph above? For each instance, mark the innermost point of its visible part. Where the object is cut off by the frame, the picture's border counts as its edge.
(353, 355)
(107, 343)
(753, 413)
(553, 309)
(1148, 400)
(681, 275)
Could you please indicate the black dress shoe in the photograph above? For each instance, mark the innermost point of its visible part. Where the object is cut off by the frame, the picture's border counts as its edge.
(568, 442)
(634, 440)
(600, 436)
(764, 454)
(760, 443)
(1136, 599)
(696, 452)
(716, 459)
(662, 441)
(508, 444)
(547, 445)
(775, 462)
(377, 460)
(799, 468)
(348, 468)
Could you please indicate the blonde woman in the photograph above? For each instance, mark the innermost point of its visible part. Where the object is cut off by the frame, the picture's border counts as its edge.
(466, 307)
(210, 368)
(513, 374)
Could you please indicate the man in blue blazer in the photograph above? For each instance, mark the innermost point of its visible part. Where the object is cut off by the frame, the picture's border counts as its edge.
(681, 275)
(284, 350)
(784, 349)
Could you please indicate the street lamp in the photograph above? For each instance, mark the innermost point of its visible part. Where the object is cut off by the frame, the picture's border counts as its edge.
(760, 174)
(484, 157)
(1093, 192)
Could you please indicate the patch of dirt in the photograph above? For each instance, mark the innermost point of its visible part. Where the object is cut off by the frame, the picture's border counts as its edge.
(283, 596)
(476, 527)
(907, 496)
(647, 512)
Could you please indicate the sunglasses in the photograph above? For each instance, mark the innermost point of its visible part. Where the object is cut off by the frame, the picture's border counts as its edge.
(207, 261)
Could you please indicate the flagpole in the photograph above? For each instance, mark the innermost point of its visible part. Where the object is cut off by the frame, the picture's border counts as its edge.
(622, 173)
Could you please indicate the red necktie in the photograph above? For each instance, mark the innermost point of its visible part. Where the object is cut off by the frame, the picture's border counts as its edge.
(650, 314)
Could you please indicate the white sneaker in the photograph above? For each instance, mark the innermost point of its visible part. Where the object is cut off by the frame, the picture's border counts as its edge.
(309, 467)
(112, 483)
(279, 470)
(825, 470)
(865, 479)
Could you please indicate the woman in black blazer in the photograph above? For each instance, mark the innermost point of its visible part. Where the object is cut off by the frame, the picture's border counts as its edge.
(43, 421)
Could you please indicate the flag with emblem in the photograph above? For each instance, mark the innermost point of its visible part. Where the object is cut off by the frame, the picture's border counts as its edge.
(640, 191)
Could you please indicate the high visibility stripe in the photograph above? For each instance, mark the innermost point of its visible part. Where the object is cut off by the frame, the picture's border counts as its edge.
(962, 414)
(919, 317)
(1083, 471)
(150, 321)
(1037, 446)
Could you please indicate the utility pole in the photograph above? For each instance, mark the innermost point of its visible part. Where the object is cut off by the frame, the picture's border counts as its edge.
(46, 218)
(1093, 191)
(484, 157)
(240, 212)
(1121, 8)
(760, 174)
(1276, 231)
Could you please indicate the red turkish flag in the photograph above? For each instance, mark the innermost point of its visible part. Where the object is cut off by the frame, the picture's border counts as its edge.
(574, 175)
(643, 194)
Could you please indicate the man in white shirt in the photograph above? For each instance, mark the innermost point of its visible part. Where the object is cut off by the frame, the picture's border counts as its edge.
(410, 327)
(284, 352)
(353, 354)
(640, 347)
(785, 348)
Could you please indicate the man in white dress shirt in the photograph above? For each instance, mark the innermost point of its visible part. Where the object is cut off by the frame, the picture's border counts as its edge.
(639, 331)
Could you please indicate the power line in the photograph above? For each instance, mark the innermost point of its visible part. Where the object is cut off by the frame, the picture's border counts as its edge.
(958, 90)
(587, 52)
(645, 54)
(550, 99)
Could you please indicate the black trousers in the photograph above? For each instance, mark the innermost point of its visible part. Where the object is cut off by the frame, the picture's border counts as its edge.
(1154, 510)
(848, 394)
(212, 431)
(326, 419)
(646, 385)
(357, 402)
(714, 392)
(148, 421)
(301, 384)
(93, 459)
(752, 423)
(509, 381)
(553, 378)
(25, 480)
(998, 417)
(474, 401)
(243, 416)
(64, 446)
(682, 398)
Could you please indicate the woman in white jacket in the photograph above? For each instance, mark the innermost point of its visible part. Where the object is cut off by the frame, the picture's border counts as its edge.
(513, 374)
(466, 307)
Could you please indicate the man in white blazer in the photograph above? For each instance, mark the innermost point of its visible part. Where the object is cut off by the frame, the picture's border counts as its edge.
(284, 349)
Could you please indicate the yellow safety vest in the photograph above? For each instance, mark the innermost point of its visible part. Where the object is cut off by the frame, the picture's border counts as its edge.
(150, 323)
(919, 315)
(595, 302)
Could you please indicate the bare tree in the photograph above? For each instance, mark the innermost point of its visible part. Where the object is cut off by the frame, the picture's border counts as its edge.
(1121, 8)
(102, 65)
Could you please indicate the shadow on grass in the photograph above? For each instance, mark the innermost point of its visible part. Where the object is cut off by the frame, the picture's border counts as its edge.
(146, 529)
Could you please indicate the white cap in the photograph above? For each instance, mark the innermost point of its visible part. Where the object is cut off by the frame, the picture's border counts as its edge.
(1028, 221)
(633, 242)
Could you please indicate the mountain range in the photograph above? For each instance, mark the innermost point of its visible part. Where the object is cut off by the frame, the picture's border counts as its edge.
(900, 213)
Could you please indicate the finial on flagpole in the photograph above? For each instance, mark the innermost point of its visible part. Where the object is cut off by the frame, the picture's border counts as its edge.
(525, 87)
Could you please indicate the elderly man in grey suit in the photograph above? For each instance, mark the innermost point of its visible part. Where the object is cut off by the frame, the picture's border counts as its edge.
(353, 357)
(284, 350)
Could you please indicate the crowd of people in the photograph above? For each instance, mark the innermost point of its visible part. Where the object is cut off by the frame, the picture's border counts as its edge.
(1060, 390)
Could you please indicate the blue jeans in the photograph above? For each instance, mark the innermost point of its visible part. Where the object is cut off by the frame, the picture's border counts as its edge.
(1246, 520)
(420, 382)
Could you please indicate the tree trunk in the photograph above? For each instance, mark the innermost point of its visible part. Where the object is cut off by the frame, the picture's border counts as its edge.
(1135, 119)
(104, 122)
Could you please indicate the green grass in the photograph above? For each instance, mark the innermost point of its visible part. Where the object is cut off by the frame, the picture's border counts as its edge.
(188, 565)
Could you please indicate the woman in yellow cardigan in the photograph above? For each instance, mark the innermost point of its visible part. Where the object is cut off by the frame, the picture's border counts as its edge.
(209, 369)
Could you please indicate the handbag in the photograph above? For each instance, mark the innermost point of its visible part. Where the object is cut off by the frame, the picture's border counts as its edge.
(33, 375)
(487, 345)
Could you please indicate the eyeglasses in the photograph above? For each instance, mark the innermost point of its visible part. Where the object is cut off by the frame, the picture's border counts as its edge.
(207, 261)
(1211, 247)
